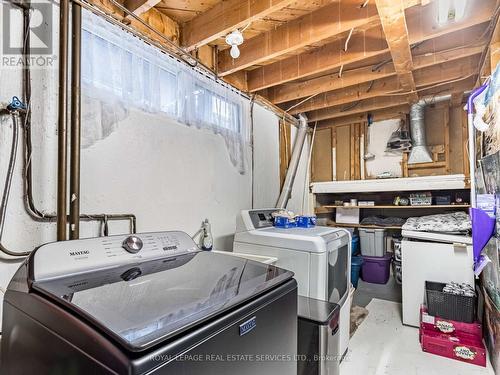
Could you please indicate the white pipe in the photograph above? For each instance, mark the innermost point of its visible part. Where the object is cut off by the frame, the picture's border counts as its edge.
(294, 162)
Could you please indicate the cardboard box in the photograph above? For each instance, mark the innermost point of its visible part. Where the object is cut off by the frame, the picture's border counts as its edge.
(450, 327)
(461, 347)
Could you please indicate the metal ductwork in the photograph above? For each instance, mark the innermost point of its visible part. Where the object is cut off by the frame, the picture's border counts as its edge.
(420, 152)
(294, 162)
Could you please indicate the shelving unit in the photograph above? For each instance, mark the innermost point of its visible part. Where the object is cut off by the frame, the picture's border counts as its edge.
(401, 207)
(333, 224)
(331, 208)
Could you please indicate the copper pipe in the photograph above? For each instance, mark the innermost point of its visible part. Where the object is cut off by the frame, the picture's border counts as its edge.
(62, 136)
(74, 180)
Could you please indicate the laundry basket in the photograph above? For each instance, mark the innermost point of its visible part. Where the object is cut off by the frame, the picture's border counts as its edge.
(449, 306)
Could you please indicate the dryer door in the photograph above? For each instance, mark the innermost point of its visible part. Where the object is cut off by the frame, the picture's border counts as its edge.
(338, 272)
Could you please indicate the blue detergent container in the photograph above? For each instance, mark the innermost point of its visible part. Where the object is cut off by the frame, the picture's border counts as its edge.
(306, 221)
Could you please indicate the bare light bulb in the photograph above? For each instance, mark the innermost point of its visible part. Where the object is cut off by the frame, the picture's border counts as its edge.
(235, 51)
(443, 11)
(460, 6)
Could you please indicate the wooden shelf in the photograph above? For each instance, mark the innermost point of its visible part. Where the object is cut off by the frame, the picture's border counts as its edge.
(332, 224)
(329, 208)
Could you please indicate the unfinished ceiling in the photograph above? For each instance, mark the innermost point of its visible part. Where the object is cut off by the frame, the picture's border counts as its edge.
(332, 59)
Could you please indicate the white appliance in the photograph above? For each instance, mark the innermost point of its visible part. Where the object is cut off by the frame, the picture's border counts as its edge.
(433, 257)
(320, 257)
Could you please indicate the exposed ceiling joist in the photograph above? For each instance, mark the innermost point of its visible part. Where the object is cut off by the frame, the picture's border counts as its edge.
(435, 75)
(398, 110)
(363, 87)
(139, 7)
(392, 17)
(324, 23)
(225, 17)
(377, 115)
(160, 22)
(317, 61)
(363, 107)
(362, 45)
(331, 83)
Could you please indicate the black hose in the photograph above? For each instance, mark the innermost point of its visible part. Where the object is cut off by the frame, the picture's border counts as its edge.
(7, 186)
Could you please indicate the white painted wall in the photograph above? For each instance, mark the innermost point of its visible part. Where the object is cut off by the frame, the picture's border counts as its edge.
(266, 187)
(379, 134)
(170, 175)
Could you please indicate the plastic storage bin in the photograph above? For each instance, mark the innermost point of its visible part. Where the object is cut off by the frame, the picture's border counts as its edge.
(376, 270)
(354, 245)
(373, 242)
(397, 271)
(447, 305)
(356, 263)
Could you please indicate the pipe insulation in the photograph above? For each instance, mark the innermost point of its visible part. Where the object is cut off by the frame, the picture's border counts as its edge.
(420, 152)
(294, 162)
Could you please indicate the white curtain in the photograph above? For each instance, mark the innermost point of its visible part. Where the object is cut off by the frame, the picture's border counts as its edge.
(121, 72)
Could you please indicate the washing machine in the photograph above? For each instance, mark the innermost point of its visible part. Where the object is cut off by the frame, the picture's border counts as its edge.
(150, 303)
(320, 258)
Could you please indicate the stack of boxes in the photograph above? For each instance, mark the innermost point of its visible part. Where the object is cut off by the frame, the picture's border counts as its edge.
(448, 323)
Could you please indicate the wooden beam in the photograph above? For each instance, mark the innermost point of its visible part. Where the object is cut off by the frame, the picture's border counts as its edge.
(495, 47)
(367, 87)
(363, 107)
(139, 7)
(334, 19)
(377, 115)
(362, 45)
(225, 17)
(392, 17)
(327, 58)
(435, 75)
(331, 83)
(160, 22)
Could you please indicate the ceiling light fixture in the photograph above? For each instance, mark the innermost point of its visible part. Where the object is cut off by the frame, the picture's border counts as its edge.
(235, 39)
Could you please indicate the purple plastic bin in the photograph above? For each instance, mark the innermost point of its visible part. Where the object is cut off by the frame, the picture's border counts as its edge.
(376, 270)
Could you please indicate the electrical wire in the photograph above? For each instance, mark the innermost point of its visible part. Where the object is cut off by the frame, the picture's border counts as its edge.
(302, 102)
(348, 39)
(8, 183)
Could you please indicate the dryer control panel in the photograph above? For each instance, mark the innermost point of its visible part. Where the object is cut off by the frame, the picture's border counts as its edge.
(72, 257)
(255, 219)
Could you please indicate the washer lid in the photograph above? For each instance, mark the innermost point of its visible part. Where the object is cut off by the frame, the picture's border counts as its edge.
(142, 304)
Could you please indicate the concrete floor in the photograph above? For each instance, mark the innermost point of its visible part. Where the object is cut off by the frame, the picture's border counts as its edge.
(366, 292)
(383, 346)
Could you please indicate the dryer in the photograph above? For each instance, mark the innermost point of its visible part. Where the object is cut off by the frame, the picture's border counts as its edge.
(320, 258)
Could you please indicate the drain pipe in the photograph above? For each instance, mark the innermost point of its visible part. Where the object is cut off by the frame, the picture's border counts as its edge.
(419, 151)
(74, 179)
(294, 162)
(62, 136)
(472, 142)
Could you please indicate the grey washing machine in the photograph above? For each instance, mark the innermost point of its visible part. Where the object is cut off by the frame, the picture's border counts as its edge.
(147, 304)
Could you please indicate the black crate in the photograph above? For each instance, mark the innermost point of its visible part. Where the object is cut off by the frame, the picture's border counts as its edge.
(449, 306)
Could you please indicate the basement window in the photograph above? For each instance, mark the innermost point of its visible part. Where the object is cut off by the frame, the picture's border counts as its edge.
(120, 73)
